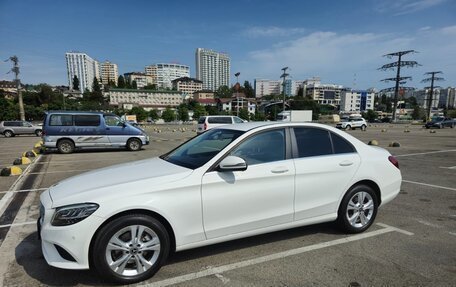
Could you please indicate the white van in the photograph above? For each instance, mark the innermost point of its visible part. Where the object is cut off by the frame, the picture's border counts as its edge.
(208, 122)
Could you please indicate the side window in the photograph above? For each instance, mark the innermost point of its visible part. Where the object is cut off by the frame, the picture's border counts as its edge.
(263, 147)
(313, 142)
(86, 120)
(61, 120)
(238, 120)
(113, 121)
(341, 145)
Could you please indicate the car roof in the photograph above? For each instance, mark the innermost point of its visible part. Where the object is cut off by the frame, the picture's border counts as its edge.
(256, 125)
(74, 112)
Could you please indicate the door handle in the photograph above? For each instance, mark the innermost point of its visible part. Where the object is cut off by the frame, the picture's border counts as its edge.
(346, 163)
(280, 169)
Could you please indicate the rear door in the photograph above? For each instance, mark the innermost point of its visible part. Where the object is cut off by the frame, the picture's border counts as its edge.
(325, 164)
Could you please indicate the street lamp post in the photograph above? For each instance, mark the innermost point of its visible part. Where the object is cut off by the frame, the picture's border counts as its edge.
(237, 85)
(284, 76)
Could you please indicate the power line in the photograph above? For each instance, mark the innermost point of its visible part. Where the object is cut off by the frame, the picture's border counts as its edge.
(431, 88)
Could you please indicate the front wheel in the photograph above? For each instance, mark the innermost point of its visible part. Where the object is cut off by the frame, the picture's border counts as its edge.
(363, 127)
(38, 133)
(134, 144)
(8, 134)
(348, 127)
(130, 249)
(358, 209)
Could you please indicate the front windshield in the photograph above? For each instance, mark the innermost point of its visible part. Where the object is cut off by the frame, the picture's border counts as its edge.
(199, 150)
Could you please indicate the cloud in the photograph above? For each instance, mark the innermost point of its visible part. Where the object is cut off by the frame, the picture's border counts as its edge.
(403, 7)
(337, 57)
(272, 31)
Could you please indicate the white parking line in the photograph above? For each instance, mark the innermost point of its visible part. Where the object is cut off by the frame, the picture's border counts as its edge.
(448, 167)
(423, 153)
(24, 190)
(60, 171)
(274, 256)
(18, 224)
(430, 185)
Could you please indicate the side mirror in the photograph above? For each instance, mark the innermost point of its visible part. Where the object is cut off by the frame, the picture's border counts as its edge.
(232, 163)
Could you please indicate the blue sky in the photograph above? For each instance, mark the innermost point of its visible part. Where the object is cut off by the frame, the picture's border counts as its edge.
(340, 41)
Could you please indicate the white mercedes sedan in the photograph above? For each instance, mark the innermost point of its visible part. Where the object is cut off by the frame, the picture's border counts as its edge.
(227, 183)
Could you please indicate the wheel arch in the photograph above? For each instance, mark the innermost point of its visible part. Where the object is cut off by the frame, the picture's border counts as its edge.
(150, 213)
(371, 184)
(65, 138)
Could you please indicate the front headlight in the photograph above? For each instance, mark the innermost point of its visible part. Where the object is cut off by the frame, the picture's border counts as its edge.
(71, 214)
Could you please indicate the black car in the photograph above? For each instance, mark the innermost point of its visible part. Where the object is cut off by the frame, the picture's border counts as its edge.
(441, 123)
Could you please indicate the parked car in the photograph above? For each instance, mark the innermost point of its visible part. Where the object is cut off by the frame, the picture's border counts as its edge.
(208, 122)
(67, 131)
(441, 123)
(13, 128)
(352, 123)
(230, 182)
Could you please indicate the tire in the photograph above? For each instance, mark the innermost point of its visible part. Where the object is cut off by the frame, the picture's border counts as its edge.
(354, 217)
(363, 127)
(134, 144)
(38, 133)
(8, 134)
(441, 126)
(348, 127)
(125, 264)
(65, 146)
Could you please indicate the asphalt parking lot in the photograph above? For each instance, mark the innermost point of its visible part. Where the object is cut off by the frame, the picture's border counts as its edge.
(412, 242)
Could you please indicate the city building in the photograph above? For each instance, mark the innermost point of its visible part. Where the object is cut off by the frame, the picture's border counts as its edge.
(147, 99)
(422, 98)
(212, 68)
(264, 87)
(164, 73)
(356, 101)
(109, 73)
(83, 67)
(141, 79)
(447, 98)
(231, 105)
(327, 94)
(187, 85)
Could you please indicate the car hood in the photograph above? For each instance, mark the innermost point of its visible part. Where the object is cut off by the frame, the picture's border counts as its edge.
(93, 184)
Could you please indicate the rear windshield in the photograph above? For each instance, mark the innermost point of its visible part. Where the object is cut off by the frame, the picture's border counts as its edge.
(219, 120)
(201, 120)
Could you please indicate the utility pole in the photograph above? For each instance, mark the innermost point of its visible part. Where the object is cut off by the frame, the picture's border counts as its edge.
(284, 76)
(15, 70)
(237, 86)
(431, 92)
(398, 79)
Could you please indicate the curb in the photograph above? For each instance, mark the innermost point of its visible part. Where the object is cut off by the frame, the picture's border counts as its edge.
(22, 161)
(11, 170)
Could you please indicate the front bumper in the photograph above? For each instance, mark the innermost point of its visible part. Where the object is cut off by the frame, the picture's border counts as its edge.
(57, 242)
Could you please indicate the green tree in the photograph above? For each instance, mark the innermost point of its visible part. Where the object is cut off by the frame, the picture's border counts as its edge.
(153, 114)
(182, 113)
(248, 90)
(150, 87)
(418, 113)
(244, 114)
(211, 110)
(140, 113)
(259, 116)
(134, 85)
(168, 115)
(75, 83)
(121, 82)
(370, 115)
(198, 111)
(224, 92)
(300, 103)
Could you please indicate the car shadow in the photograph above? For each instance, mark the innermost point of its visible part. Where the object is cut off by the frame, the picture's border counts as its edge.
(29, 256)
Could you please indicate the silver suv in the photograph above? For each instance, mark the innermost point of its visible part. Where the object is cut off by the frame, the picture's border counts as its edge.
(352, 123)
(12, 128)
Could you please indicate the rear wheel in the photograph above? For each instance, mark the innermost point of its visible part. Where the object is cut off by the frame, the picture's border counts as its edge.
(134, 144)
(348, 127)
(363, 127)
(8, 134)
(358, 209)
(65, 146)
(39, 133)
(130, 249)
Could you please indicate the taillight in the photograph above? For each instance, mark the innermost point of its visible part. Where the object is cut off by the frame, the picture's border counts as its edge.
(205, 126)
(394, 161)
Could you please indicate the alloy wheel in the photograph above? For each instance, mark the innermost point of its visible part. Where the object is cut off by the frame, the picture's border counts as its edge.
(360, 209)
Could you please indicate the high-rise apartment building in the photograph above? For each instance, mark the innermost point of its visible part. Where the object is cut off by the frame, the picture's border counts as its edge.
(164, 73)
(356, 101)
(109, 73)
(212, 68)
(83, 67)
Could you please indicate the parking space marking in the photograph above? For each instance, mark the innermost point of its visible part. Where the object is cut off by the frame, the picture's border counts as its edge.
(274, 256)
(424, 153)
(18, 224)
(430, 185)
(24, 190)
(59, 171)
(448, 167)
